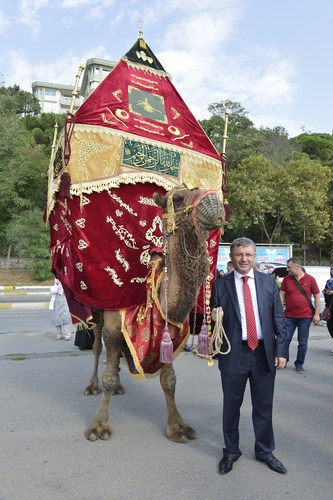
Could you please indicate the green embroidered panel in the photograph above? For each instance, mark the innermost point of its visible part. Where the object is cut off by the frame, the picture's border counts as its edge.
(146, 104)
(149, 157)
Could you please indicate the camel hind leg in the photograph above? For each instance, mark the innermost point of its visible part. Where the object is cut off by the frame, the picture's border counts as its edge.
(93, 386)
(177, 429)
(113, 340)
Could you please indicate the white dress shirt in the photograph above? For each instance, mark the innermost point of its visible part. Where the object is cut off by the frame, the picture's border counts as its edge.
(240, 295)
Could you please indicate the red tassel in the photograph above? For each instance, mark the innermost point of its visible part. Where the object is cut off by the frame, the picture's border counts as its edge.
(203, 340)
(65, 186)
(166, 347)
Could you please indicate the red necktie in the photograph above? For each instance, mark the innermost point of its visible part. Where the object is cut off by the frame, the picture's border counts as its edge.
(252, 337)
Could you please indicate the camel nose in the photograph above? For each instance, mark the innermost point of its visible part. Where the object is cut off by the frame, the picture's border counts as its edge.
(210, 212)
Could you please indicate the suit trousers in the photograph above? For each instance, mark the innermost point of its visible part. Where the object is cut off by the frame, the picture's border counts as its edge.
(253, 367)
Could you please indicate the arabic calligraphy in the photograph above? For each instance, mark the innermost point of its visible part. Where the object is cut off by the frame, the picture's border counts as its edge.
(149, 157)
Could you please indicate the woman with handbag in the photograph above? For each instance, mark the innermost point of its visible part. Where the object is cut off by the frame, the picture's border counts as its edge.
(328, 296)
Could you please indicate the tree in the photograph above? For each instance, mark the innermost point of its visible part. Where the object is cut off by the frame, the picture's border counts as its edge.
(280, 198)
(243, 138)
(31, 237)
(316, 146)
(22, 170)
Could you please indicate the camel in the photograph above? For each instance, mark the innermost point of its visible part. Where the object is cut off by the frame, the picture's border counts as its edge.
(188, 215)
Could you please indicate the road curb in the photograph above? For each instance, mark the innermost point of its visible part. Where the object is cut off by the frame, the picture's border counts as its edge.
(25, 305)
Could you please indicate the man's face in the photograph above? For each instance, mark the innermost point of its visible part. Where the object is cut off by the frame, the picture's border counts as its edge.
(293, 269)
(243, 259)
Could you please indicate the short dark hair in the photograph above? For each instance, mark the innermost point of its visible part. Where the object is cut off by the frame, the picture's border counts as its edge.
(242, 242)
(295, 260)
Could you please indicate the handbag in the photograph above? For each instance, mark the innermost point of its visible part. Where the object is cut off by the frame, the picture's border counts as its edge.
(326, 314)
(303, 292)
(84, 338)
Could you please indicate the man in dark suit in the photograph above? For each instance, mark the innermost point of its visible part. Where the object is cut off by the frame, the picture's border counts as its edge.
(254, 323)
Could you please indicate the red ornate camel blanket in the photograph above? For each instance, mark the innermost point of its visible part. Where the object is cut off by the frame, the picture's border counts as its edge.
(143, 326)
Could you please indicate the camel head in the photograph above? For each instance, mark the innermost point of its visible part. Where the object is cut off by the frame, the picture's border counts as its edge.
(200, 208)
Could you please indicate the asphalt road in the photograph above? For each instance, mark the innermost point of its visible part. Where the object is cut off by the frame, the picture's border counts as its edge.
(43, 414)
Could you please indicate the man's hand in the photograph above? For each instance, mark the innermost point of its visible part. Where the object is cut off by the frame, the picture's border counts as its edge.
(280, 363)
(214, 313)
(316, 319)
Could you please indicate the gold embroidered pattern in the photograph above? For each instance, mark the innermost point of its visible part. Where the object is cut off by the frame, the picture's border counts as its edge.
(119, 213)
(79, 266)
(67, 225)
(85, 200)
(122, 260)
(81, 223)
(83, 286)
(115, 278)
(142, 55)
(148, 123)
(138, 280)
(82, 245)
(148, 130)
(147, 201)
(122, 204)
(212, 243)
(176, 114)
(116, 95)
(122, 233)
(156, 224)
(143, 223)
(145, 257)
(137, 77)
(55, 227)
(110, 122)
(145, 86)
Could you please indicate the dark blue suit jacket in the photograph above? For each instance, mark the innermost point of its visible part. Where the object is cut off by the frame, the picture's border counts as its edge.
(271, 315)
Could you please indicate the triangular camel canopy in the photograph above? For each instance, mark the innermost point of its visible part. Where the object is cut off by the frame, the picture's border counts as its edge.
(135, 127)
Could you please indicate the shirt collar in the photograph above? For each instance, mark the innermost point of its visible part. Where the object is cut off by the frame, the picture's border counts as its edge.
(239, 276)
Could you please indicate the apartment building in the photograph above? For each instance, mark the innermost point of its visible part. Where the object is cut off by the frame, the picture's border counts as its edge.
(56, 97)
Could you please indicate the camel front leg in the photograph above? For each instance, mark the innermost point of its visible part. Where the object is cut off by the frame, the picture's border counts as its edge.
(93, 386)
(177, 429)
(112, 336)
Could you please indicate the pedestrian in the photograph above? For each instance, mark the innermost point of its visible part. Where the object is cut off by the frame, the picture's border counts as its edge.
(296, 292)
(328, 296)
(230, 266)
(60, 315)
(254, 323)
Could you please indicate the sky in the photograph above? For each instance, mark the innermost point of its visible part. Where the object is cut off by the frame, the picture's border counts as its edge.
(273, 57)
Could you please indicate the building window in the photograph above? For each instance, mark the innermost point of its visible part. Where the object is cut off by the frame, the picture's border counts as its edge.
(50, 92)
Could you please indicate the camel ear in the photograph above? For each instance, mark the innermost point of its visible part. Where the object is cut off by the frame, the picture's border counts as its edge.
(160, 200)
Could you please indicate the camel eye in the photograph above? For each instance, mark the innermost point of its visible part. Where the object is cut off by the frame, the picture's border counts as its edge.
(177, 200)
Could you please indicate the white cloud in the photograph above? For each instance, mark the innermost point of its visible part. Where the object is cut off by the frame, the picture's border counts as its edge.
(62, 70)
(4, 22)
(29, 10)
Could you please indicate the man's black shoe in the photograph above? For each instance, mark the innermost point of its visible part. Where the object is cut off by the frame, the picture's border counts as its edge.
(225, 465)
(274, 464)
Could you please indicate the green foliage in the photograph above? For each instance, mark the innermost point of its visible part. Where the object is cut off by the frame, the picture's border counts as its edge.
(19, 101)
(31, 237)
(279, 199)
(316, 146)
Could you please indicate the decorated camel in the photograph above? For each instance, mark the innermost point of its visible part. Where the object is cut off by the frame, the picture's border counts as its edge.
(172, 289)
(136, 199)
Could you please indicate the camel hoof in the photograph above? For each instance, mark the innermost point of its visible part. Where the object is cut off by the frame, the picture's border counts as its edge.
(92, 389)
(101, 431)
(181, 435)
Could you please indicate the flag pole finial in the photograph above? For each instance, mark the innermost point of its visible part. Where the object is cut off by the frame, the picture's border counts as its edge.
(141, 40)
(141, 25)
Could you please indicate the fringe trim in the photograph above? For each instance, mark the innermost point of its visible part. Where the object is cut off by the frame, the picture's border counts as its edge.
(147, 69)
(126, 178)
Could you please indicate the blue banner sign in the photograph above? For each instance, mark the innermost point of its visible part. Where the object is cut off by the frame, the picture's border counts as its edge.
(275, 255)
